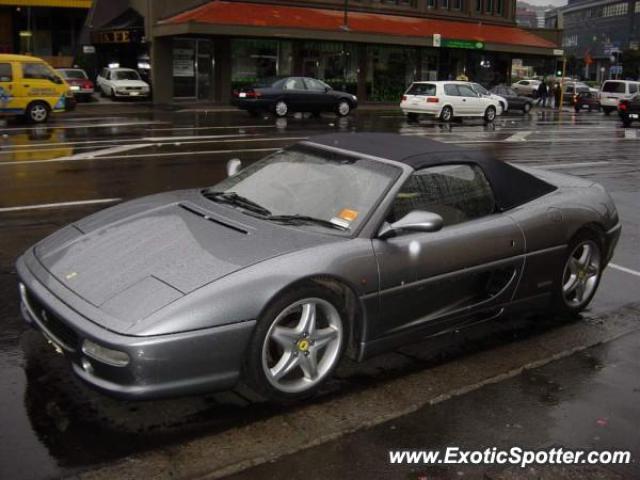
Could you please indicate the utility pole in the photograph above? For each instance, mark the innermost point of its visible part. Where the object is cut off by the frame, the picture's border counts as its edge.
(345, 21)
(564, 70)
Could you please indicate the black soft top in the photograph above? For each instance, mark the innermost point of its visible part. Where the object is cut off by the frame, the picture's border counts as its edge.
(511, 186)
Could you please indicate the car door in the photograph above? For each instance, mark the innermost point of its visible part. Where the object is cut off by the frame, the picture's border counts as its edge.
(8, 101)
(317, 95)
(433, 281)
(40, 81)
(295, 93)
(475, 104)
(454, 98)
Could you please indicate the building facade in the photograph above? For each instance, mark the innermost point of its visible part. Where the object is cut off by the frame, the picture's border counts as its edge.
(45, 28)
(596, 33)
(374, 49)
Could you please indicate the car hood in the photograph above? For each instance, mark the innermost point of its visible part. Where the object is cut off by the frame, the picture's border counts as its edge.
(133, 259)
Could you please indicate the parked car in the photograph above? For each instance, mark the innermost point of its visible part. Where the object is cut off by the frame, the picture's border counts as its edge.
(293, 94)
(629, 110)
(122, 83)
(504, 104)
(528, 87)
(572, 90)
(31, 88)
(343, 244)
(613, 91)
(79, 83)
(516, 102)
(447, 100)
(586, 99)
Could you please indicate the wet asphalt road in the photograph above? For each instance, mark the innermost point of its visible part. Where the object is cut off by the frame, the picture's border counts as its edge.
(53, 426)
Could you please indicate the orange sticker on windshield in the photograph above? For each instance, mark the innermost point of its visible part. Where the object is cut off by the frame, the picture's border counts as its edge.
(348, 215)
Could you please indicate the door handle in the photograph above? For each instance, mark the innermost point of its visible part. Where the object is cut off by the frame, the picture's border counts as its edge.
(464, 99)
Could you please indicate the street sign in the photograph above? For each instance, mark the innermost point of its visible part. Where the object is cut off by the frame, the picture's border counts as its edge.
(437, 39)
(88, 49)
(558, 52)
(616, 70)
(470, 44)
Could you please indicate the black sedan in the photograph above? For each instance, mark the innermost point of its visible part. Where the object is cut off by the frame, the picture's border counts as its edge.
(294, 94)
(516, 102)
(629, 110)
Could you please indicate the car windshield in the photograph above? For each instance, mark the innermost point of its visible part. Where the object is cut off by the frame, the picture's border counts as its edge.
(127, 75)
(311, 183)
(613, 87)
(73, 74)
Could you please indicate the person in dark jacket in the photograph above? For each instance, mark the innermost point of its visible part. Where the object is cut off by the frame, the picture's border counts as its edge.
(557, 93)
(543, 93)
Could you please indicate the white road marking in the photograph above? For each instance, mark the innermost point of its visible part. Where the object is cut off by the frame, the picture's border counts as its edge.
(93, 155)
(519, 136)
(89, 125)
(625, 269)
(59, 205)
(553, 166)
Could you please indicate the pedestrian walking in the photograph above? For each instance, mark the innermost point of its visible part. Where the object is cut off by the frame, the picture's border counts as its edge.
(543, 93)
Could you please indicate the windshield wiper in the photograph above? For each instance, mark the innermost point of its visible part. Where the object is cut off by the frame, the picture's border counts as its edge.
(234, 199)
(298, 219)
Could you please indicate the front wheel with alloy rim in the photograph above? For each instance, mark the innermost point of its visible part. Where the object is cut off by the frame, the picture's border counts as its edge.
(344, 108)
(297, 344)
(446, 114)
(581, 274)
(281, 108)
(37, 112)
(490, 114)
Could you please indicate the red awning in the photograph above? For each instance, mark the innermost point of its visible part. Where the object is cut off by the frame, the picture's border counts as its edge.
(274, 16)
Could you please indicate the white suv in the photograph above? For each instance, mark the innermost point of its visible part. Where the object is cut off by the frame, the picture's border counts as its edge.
(122, 82)
(447, 100)
(613, 91)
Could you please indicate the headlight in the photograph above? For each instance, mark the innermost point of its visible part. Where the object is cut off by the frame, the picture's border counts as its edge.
(355, 98)
(104, 354)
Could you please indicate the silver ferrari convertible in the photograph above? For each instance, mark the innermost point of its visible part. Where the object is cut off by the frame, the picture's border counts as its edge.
(342, 245)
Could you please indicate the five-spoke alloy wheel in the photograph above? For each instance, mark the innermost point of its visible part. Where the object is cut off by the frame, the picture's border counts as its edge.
(281, 108)
(581, 274)
(297, 344)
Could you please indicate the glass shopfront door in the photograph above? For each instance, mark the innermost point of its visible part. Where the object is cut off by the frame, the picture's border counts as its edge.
(192, 68)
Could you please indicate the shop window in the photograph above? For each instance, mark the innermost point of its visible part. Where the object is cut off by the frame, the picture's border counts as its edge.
(444, 4)
(489, 6)
(390, 70)
(255, 60)
(457, 4)
(478, 6)
(431, 3)
(499, 7)
(335, 63)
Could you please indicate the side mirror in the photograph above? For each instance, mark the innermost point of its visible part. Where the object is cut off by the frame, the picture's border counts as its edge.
(327, 89)
(233, 166)
(414, 221)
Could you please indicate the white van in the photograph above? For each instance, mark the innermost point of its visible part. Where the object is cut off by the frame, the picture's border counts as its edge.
(613, 91)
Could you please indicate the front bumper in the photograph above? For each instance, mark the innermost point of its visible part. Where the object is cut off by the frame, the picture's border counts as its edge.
(159, 366)
(132, 94)
(611, 241)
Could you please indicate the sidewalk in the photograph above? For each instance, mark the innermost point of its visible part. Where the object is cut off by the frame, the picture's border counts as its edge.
(590, 400)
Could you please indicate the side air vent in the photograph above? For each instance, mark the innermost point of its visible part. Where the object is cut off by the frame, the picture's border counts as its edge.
(206, 216)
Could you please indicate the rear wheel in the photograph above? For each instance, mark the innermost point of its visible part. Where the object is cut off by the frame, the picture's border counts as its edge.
(526, 108)
(297, 344)
(281, 108)
(581, 273)
(446, 115)
(37, 112)
(344, 108)
(490, 114)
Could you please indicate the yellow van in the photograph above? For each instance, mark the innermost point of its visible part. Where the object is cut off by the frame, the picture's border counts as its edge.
(31, 88)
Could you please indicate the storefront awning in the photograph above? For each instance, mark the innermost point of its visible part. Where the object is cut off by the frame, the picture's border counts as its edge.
(277, 20)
